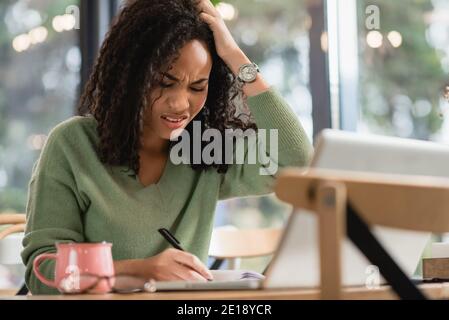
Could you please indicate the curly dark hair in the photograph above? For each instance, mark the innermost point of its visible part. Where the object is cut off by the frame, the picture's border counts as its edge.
(144, 38)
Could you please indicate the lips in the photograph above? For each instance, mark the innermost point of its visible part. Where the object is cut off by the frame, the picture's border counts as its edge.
(173, 121)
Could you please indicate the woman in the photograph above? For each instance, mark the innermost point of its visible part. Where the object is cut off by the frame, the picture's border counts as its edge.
(108, 175)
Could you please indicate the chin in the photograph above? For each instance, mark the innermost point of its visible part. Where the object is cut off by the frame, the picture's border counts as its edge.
(175, 133)
(165, 134)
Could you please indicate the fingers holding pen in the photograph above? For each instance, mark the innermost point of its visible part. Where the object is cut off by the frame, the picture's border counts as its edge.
(174, 264)
(192, 262)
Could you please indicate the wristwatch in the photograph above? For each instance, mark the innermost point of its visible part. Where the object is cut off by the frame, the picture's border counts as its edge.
(247, 73)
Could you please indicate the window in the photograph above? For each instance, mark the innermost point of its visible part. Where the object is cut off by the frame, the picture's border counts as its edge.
(402, 71)
(275, 35)
(39, 75)
(390, 68)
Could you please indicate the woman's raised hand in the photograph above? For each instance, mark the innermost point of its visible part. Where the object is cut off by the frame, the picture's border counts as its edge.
(224, 41)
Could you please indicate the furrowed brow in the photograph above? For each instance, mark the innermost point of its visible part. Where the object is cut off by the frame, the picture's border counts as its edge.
(173, 78)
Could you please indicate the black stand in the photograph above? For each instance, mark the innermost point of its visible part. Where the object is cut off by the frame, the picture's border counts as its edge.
(360, 234)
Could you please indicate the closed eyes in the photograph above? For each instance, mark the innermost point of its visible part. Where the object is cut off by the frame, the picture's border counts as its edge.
(168, 85)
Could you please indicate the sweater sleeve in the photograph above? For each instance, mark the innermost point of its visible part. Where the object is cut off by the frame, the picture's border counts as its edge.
(280, 142)
(53, 210)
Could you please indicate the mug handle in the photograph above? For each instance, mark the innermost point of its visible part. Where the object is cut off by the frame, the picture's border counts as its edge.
(36, 264)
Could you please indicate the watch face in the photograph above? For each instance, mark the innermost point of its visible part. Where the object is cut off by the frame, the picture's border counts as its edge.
(248, 74)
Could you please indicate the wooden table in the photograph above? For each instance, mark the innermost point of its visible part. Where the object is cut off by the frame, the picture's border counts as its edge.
(433, 291)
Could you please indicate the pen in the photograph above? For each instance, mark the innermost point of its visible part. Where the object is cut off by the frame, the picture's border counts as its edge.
(170, 238)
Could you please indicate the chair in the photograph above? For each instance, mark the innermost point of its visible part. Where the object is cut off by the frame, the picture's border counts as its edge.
(348, 203)
(232, 244)
(10, 247)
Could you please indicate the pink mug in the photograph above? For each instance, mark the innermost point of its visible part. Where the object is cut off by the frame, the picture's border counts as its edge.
(80, 267)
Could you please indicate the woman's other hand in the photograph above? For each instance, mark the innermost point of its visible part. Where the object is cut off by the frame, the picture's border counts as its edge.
(173, 264)
(169, 265)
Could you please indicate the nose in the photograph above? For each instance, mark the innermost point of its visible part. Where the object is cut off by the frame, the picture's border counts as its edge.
(178, 102)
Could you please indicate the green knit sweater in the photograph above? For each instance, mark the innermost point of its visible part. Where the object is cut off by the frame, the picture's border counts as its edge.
(73, 196)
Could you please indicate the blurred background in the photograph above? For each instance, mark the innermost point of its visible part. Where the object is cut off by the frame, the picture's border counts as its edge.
(376, 66)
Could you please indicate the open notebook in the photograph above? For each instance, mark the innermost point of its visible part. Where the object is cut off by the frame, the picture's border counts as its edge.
(233, 275)
(223, 280)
